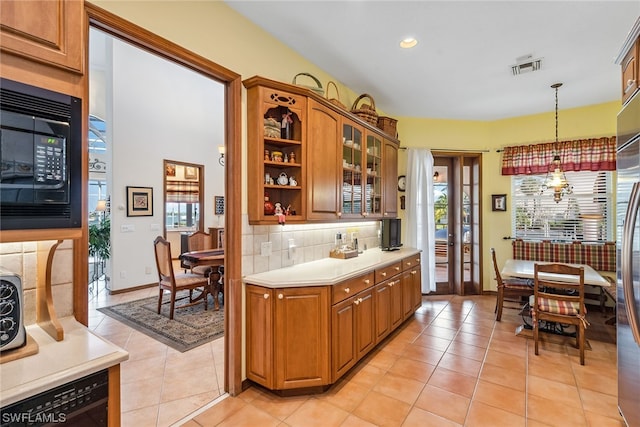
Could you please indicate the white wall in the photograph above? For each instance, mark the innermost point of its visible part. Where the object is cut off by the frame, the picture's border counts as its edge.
(159, 111)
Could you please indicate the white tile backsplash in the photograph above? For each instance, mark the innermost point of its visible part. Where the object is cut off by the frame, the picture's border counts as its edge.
(312, 241)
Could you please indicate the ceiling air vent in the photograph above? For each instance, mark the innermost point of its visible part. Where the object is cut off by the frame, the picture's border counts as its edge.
(526, 64)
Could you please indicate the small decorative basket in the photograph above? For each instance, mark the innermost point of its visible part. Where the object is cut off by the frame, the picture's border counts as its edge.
(335, 101)
(317, 89)
(271, 128)
(366, 112)
(388, 125)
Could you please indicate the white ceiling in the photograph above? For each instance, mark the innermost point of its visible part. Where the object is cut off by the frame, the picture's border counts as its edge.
(461, 67)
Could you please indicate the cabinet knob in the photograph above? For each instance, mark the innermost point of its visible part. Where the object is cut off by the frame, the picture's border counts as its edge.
(347, 290)
(356, 302)
(414, 272)
(266, 296)
(339, 214)
(417, 259)
(280, 296)
(391, 284)
(360, 299)
(397, 268)
(384, 274)
(367, 281)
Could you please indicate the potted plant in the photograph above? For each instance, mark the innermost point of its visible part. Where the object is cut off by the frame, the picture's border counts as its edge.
(100, 244)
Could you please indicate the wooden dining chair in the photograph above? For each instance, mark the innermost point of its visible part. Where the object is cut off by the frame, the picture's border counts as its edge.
(199, 241)
(559, 298)
(511, 290)
(168, 281)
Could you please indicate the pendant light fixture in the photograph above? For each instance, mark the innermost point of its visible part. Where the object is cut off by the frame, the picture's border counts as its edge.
(556, 178)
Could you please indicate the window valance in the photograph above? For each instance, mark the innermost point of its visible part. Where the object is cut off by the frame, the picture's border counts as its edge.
(183, 192)
(596, 154)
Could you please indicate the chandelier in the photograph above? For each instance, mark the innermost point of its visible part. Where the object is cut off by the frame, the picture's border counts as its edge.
(556, 178)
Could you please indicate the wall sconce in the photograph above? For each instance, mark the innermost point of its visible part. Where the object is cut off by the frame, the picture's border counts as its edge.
(436, 176)
(221, 150)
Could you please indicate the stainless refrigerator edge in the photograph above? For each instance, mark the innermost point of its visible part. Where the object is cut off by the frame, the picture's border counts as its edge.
(628, 261)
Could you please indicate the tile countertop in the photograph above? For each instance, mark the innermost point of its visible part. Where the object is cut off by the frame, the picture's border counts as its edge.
(328, 271)
(79, 354)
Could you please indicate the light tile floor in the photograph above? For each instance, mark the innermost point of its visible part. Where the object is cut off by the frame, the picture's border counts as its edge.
(450, 364)
(159, 385)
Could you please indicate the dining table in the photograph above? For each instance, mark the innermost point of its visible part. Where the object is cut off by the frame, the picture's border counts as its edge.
(524, 269)
(208, 257)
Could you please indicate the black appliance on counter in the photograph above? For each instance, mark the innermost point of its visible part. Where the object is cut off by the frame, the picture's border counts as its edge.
(390, 229)
(40, 158)
(12, 331)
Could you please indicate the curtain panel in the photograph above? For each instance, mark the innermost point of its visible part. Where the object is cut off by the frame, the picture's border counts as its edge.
(183, 192)
(596, 154)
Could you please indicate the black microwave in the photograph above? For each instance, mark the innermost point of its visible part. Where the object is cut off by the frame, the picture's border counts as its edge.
(40, 158)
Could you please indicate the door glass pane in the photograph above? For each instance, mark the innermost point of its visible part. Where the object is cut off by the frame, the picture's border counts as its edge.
(441, 213)
(466, 222)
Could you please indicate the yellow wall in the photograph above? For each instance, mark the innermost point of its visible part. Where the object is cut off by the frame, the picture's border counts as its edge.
(584, 122)
(217, 32)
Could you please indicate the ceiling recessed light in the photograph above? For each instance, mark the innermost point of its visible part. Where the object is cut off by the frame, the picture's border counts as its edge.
(408, 43)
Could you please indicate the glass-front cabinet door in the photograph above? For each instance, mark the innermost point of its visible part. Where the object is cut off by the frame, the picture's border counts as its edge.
(352, 167)
(373, 188)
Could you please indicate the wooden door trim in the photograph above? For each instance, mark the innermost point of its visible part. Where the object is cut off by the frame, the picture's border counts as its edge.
(99, 18)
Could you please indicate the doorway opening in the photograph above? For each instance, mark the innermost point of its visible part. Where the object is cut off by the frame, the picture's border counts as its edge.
(456, 186)
(231, 119)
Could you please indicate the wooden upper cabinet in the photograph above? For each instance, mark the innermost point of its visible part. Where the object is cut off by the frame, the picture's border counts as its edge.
(323, 134)
(390, 182)
(630, 72)
(47, 31)
(276, 155)
(339, 161)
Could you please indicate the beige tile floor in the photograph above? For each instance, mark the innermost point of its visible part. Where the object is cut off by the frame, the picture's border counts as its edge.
(159, 385)
(450, 364)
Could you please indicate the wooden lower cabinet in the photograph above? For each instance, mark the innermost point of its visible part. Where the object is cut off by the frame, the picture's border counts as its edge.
(353, 331)
(389, 311)
(301, 337)
(288, 337)
(411, 291)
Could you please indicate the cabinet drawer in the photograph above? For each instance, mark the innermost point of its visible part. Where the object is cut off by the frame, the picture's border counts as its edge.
(388, 272)
(348, 288)
(411, 262)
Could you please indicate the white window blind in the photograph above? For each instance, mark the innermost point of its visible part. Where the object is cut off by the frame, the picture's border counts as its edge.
(585, 215)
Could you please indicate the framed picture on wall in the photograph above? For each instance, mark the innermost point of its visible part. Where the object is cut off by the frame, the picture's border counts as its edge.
(170, 169)
(499, 202)
(218, 205)
(139, 201)
(190, 172)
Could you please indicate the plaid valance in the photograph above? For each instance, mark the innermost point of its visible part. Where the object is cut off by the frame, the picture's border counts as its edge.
(596, 154)
(601, 257)
(183, 191)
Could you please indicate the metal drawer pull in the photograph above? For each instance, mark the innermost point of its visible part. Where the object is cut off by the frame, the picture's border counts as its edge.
(414, 272)
(347, 290)
(266, 296)
(367, 281)
(397, 268)
(356, 302)
(384, 274)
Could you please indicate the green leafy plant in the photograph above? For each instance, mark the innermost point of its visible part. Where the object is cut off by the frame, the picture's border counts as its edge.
(100, 239)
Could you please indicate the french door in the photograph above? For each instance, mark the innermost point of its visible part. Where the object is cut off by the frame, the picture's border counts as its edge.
(456, 184)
